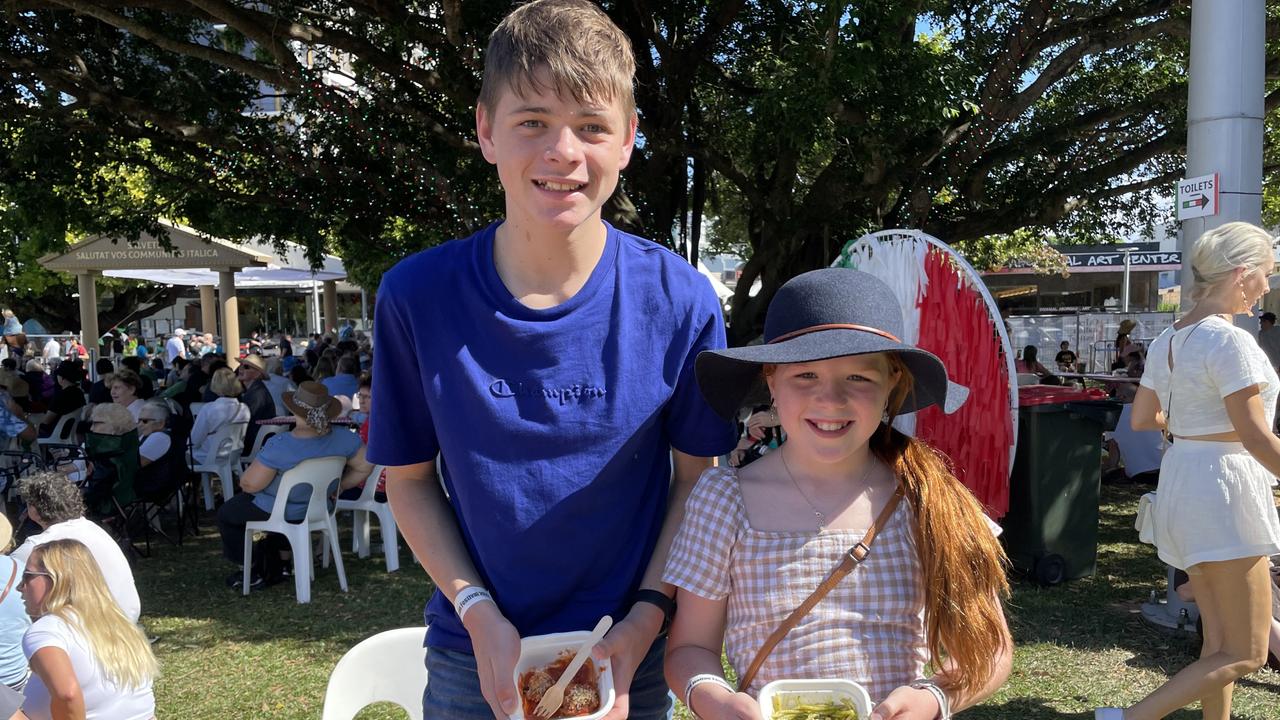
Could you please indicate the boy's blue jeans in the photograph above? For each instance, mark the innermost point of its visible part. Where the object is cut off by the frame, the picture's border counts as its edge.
(453, 687)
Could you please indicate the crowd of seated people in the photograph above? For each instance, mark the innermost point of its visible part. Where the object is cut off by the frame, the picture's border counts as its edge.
(147, 398)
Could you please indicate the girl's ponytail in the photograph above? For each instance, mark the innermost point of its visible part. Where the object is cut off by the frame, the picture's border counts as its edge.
(964, 565)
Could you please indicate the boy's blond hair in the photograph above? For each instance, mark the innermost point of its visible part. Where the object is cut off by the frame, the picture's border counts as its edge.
(581, 50)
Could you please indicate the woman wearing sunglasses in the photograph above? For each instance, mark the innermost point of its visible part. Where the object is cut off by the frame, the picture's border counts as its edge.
(88, 660)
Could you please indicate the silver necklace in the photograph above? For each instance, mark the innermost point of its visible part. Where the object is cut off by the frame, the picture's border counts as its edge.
(822, 519)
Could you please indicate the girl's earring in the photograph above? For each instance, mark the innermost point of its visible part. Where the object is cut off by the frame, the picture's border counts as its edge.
(885, 417)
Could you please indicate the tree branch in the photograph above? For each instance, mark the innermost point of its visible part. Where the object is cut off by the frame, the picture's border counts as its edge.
(204, 52)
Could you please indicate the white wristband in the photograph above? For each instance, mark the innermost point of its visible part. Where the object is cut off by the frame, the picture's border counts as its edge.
(944, 704)
(468, 598)
(697, 680)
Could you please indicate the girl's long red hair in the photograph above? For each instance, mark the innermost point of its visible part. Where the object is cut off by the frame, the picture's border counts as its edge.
(963, 563)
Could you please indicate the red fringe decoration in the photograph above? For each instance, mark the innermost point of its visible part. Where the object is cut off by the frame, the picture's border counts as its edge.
(956, 325)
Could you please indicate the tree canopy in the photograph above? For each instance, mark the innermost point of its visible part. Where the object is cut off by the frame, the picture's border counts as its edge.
(790, 127)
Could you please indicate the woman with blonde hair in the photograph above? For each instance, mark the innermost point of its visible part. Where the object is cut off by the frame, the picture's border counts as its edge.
(225, 408)
(1209, 385)
(88, 660)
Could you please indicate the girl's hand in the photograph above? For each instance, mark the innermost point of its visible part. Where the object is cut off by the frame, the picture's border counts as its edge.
(907, 703)
(712, 702)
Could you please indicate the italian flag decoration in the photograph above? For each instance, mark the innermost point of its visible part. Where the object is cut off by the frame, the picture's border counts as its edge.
(947, 310)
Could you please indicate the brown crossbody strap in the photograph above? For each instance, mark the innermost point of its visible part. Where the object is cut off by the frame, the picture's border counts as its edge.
(851, 560)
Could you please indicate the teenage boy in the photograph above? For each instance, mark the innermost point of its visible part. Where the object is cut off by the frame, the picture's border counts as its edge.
(548, 359)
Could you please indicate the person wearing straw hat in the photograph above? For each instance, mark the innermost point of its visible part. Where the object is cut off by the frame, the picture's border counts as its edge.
(252, 373)
(313, 436)
(844, 484)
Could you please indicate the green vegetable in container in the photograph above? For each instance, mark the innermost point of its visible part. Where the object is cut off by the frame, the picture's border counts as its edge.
(843, 710)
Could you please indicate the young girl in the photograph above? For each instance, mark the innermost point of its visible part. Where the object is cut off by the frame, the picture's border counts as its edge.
(757, 542)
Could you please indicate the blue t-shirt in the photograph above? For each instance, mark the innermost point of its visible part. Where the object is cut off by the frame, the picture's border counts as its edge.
(555, 425)
(342, 384)
(13, 624)
(283, 451)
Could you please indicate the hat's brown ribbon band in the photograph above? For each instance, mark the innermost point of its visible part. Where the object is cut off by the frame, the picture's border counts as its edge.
(833, 326)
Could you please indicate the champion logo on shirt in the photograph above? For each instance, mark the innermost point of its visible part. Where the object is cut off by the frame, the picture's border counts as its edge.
(564, 395)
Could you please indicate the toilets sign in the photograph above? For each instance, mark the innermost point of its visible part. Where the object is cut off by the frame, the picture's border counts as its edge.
(1197, 197)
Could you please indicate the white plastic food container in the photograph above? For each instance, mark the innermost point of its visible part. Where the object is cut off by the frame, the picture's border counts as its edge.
(542, 650)
(811, 692)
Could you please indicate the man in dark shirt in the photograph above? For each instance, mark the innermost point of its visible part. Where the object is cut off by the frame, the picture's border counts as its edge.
(67, 396)
(99, 392)
(252, 372)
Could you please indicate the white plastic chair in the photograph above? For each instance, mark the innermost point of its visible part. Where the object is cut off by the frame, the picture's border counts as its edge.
(387, 667)
(1028, 379)
(265, 433)
(64, 432)
(318, 474)
(224, 463)
(362, 507)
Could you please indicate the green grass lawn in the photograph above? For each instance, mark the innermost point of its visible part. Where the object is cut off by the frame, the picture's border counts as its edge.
(264, 656)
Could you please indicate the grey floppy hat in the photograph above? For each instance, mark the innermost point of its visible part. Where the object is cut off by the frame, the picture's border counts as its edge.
(819, 315)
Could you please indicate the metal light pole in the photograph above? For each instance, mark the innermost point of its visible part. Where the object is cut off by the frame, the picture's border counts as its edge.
(1124, 301)
(1224, 115)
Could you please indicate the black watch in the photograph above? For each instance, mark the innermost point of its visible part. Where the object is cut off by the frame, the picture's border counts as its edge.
(660, 599)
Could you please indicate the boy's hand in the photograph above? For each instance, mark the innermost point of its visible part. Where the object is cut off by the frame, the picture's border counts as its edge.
(907, 703)
(496, 645)
(626, 645)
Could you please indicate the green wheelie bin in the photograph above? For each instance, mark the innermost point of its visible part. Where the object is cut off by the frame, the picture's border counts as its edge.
(1051, 529)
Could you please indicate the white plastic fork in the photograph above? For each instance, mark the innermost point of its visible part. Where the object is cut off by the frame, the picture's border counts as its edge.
(554, 696)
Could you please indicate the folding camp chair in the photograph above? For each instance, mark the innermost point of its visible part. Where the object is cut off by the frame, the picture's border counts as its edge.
(109, 491)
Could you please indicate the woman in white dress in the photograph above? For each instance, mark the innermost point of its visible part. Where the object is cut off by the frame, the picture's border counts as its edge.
(1209, 385)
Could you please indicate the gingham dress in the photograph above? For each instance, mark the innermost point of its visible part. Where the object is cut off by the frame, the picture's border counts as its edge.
(869, 629)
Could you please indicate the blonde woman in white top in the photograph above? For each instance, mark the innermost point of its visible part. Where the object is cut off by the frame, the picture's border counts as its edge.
(1214, 514)
(227, 408)
(88, 660)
